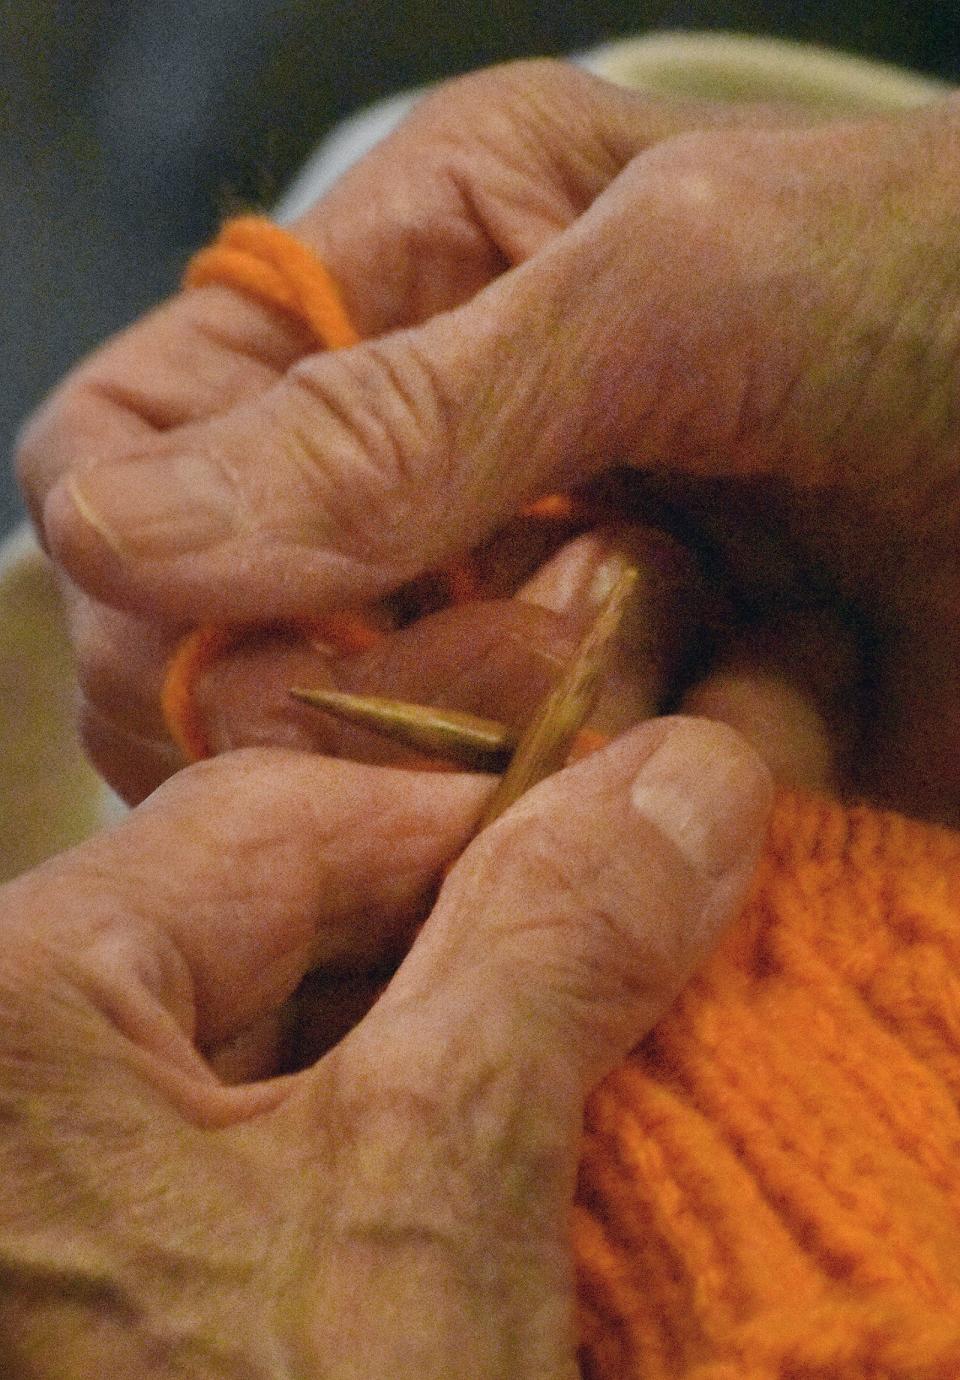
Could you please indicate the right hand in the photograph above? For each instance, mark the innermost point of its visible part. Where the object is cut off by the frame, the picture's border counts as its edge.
(761, 310)
(177, 1203)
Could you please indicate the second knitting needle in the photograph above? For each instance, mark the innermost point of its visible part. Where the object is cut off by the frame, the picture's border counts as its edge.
(466, 739)
(484, 744)
(546, 741)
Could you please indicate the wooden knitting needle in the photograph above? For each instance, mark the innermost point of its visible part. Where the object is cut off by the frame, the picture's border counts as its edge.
(485, 744)
(466, 739)
(547, 739)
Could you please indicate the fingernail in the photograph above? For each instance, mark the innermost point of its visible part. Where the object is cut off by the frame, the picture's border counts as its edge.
(156, 507)
(707, 792)
(579, 578)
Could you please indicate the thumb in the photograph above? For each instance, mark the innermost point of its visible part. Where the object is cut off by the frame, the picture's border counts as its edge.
(352, 474)
(560, 937)
(356, 470)
(569, 926)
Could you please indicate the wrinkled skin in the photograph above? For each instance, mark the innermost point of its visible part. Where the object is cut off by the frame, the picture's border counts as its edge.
(761, 316)
(176, 1206)
(558, 275)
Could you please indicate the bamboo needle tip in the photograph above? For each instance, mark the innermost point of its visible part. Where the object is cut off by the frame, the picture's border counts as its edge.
(484, 744)
(465, 739)
(546, 742)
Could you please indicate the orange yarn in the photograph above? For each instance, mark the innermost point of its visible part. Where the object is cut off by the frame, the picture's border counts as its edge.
(255, 256)
(769, 1186)
(198, 650)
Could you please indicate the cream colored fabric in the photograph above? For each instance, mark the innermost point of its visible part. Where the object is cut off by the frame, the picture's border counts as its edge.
(49, 798)
(735, 67)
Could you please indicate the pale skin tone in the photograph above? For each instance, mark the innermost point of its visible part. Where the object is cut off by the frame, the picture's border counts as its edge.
(565, 277)
(399, 1207)
(560, 275)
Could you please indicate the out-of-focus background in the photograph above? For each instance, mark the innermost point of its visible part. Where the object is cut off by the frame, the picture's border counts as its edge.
(129, 127)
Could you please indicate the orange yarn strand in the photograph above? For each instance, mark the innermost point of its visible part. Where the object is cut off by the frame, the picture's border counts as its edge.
(198, 650)
(551, 508)
(256, 257)
(345, 633)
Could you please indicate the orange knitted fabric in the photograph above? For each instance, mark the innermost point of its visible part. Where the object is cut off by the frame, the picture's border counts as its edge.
(770, 1185)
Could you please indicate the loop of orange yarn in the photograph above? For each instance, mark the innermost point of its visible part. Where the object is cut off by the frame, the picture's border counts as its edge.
(194, 653)
(258, 258)
(254, 256)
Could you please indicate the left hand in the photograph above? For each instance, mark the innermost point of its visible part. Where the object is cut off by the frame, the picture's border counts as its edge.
(399, 1207)
(492, 171)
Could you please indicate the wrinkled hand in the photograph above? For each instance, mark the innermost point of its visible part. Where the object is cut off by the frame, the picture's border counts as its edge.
(561, 277)
(398, 1208)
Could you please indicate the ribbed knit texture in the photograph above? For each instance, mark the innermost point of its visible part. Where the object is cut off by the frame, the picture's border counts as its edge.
(770, 1186)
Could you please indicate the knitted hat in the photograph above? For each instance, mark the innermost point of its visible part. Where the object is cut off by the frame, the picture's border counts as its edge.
(770, 1186)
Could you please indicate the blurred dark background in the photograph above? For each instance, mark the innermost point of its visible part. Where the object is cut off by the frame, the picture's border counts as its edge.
(128, 127)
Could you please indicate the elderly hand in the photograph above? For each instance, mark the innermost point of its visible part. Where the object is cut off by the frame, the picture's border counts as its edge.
(559, 276)
(398, 1208)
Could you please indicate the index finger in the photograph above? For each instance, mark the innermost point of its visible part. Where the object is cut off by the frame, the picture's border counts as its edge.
(284, 862)
(466, 186)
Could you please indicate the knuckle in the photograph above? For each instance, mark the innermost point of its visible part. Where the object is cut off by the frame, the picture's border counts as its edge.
(481, 1143)
(374, 435)
(505, 88)
(573, 949)
(690, 178)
